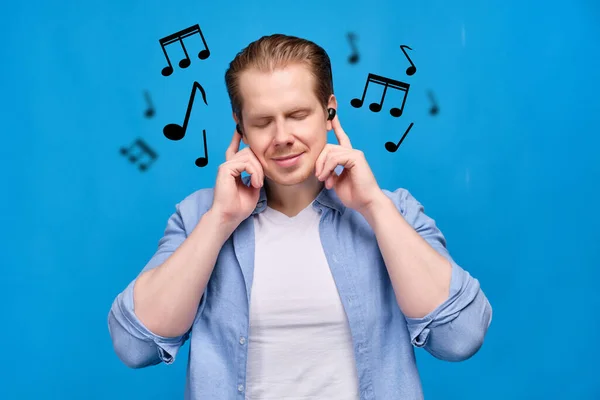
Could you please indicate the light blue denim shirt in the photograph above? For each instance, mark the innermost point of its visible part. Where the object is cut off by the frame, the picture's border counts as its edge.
(383, 338)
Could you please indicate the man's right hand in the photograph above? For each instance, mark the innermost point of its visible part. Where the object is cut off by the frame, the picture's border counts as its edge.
(234, 201)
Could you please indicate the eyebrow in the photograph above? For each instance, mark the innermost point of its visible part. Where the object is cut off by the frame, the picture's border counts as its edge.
(293, 111)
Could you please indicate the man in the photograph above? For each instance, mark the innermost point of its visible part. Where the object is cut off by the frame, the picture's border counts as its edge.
(297, 282)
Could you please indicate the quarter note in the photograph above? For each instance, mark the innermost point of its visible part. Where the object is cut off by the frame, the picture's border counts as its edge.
(412, 69)
(149, 113)
(178, 37)
(391, 146)
(176, 131)
(203, 161)
(434, 108)
(145, 150)
(386, 82)
(353, 58)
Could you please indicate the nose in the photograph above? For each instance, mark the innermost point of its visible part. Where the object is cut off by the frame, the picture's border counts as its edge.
(283, 134)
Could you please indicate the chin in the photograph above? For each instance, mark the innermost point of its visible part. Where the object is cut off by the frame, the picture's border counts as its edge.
(291, 179)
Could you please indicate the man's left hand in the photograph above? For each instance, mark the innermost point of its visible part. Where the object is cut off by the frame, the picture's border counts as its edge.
(356, 186)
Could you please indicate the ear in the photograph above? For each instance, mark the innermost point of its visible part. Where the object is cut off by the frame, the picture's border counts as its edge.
(331, 104)
(236, 120)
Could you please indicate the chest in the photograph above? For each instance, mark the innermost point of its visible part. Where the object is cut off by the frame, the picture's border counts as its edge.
(318, 271)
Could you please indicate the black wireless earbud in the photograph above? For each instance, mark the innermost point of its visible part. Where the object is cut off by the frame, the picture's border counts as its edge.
(239, 129)
(330, 114)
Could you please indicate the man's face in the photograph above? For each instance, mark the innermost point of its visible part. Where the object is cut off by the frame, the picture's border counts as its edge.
(282, 117)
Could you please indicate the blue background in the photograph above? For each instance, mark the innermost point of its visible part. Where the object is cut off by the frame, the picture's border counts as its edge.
(508, 169)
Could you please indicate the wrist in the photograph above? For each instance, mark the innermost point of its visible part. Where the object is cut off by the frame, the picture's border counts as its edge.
(219, 223)
(379, 204)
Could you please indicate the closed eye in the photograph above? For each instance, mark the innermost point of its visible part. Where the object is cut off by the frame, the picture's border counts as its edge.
(299, 115)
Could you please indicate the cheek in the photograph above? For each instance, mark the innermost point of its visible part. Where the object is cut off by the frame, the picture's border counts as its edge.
(258, 147)
(318, 143)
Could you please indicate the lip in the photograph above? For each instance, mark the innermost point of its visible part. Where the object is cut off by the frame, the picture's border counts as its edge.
(288, 162)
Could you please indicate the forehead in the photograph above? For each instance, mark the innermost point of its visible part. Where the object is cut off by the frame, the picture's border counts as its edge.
(266, 92)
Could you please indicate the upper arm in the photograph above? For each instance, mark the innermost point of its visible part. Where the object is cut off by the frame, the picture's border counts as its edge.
(134, 343)
(174, 235)
(414, 213)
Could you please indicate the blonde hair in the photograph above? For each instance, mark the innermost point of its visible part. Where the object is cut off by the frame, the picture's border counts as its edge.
(277, 51)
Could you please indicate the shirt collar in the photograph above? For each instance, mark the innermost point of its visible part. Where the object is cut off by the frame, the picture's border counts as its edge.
(325, 198)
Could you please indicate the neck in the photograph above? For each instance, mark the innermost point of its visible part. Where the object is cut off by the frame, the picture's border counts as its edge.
(290, 200)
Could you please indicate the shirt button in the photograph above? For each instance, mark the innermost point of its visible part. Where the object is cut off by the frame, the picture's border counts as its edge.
(242, 340)
(240, 388)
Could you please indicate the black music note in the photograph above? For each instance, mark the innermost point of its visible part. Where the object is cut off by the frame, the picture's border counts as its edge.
(354, 57)
(149, 113)
(203, 161)
(434, 108)
(176, 131)
(380, 80)
(391, 146)
(412, 69)
(145, 149)
(178, 37)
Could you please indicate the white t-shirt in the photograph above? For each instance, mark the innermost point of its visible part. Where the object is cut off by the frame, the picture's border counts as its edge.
(299, 345)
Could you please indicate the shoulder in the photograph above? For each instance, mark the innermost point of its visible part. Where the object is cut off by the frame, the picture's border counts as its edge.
(412, 210)
(404, 200)
(192, 207)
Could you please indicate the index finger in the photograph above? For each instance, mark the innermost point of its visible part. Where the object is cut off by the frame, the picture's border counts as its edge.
(341, 136)
(234, 146)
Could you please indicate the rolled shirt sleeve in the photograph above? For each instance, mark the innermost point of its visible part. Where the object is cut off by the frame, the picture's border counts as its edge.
(455, 330)
(133, 342)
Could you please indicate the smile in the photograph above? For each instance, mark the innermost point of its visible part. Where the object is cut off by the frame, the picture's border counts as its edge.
(288, 162)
